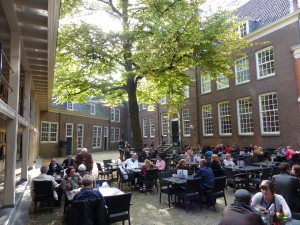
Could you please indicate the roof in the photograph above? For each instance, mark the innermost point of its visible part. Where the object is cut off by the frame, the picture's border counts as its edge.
(263, 12)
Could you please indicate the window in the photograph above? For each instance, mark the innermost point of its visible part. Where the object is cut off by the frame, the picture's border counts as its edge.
(69, 130)
(242, 74)
(93, 109)
(243, 29)
(79, 136)
(164, 124)
(117, 115)
(222, 82)
(49, 132)
(152, 127)
(269, 118)
(265, 63)
(224, 118)
(144, 106)
(245, 119)
(112, 114)
(163, 101)
(70, 106)
(105, 131)
(205, 83)
(112, 134)
(207, 120)
(186, 122)
(186, 92)
(145, 127)
(117, 134)
(97, 132)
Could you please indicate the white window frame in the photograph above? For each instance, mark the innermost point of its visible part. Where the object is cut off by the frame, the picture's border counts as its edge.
(186, 92)
(164, 124)
(117, 115)
(69, 129)
(205, 84)
(245, 116)
(70, 106)
(97, 136)
(145, 127)
(269, 111)
(224, 117)
(48, 135)
(270, 63)
(152, 126)
(186, 123)
(112, 114)
(106, 130)
(222, 82)
(163, 100)
(117, 134)
(207, 120)
(93, 109)
(242, 71)
(80, 132)
(112, 134)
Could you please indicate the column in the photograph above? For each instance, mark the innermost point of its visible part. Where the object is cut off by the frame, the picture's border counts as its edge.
(12, 125)
(32, 137)
(25, 136)
(296, 53)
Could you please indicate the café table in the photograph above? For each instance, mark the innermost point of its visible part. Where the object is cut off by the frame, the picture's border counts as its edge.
(113, 167)
(264, 164)
(177, 180)
(246, 168)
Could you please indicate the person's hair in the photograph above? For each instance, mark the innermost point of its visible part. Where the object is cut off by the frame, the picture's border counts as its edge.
(202, 162)
(227, 155)
(69, 170)
(69, 157)
(44, 169)
(84, 150)
(81, 167)
(148, 163)
(214, 157)
(266, 184)
(288, 147)
(87, 180)
(179, 165)
(284, 167)
(161, 156)
(134, 156)
(297, 170)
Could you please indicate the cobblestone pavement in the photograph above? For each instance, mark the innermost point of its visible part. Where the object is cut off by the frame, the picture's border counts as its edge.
(145, 209)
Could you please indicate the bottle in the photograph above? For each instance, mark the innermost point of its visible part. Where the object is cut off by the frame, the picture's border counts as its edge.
(275, 219)
(281, 213)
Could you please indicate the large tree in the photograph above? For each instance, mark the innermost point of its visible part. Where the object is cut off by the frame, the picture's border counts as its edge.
(145, 60)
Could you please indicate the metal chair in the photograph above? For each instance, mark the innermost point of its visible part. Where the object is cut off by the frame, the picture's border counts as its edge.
(189, 192)
(43, 193)
(234, 180)
(295, 159)
(265, 175)
(122, 180)
(151, 178)
(165, 187)
(102, 172)
(118, 208)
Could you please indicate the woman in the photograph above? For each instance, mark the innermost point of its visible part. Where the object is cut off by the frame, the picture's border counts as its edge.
(267, 197)
(82, 170)
(182, 165)
(216, 166)
(147, 165)
(71, 181)
(189, 152)
(227, 149)
(289, 153)
(228, 161)
(296, 171)
(160, 163)
(257, 151)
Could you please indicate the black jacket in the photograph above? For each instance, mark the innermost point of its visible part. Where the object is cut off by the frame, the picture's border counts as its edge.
(87, 212)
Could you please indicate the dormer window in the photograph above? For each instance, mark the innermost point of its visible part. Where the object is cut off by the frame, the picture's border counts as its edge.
(245, 27)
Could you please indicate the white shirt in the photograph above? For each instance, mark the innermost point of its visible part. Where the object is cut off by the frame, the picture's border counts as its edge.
(228, 162)
(130, 164)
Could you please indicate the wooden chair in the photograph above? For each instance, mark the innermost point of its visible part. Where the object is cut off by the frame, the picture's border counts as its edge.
(43, 193)
(118, 208)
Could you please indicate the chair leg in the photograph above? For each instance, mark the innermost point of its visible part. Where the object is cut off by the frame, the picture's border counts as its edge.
(225, 200)
(160, 197)
(169, 201)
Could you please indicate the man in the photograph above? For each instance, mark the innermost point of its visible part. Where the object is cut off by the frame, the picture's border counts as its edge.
(286, 185)
(281, 150)
(240, 212)
(128, 165)
(68, 162)
(87, 191)
(206, 174)
(44, 177)
(84, 158)
(54, 167)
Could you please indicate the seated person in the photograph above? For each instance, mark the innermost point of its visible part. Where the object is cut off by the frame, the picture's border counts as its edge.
(189, 152)
(87, 191)
(82, 170)
(257, 151)
(147, 165)
(127, 166)
(127, 154)
(216, 166)
(281, 150)
(228, 161)
(71, 181)
(152, 153)
(289, 153)
(44, 177)
(240, 212)
(208, 153)
(160, 163)
(267, 197)
(54, 167)
(182, 165)
(68, 162)
(206, 174)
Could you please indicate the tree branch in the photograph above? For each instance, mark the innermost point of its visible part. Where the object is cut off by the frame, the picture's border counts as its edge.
(113, 8)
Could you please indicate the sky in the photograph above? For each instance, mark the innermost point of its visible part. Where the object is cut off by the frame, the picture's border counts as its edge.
(109, 24)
